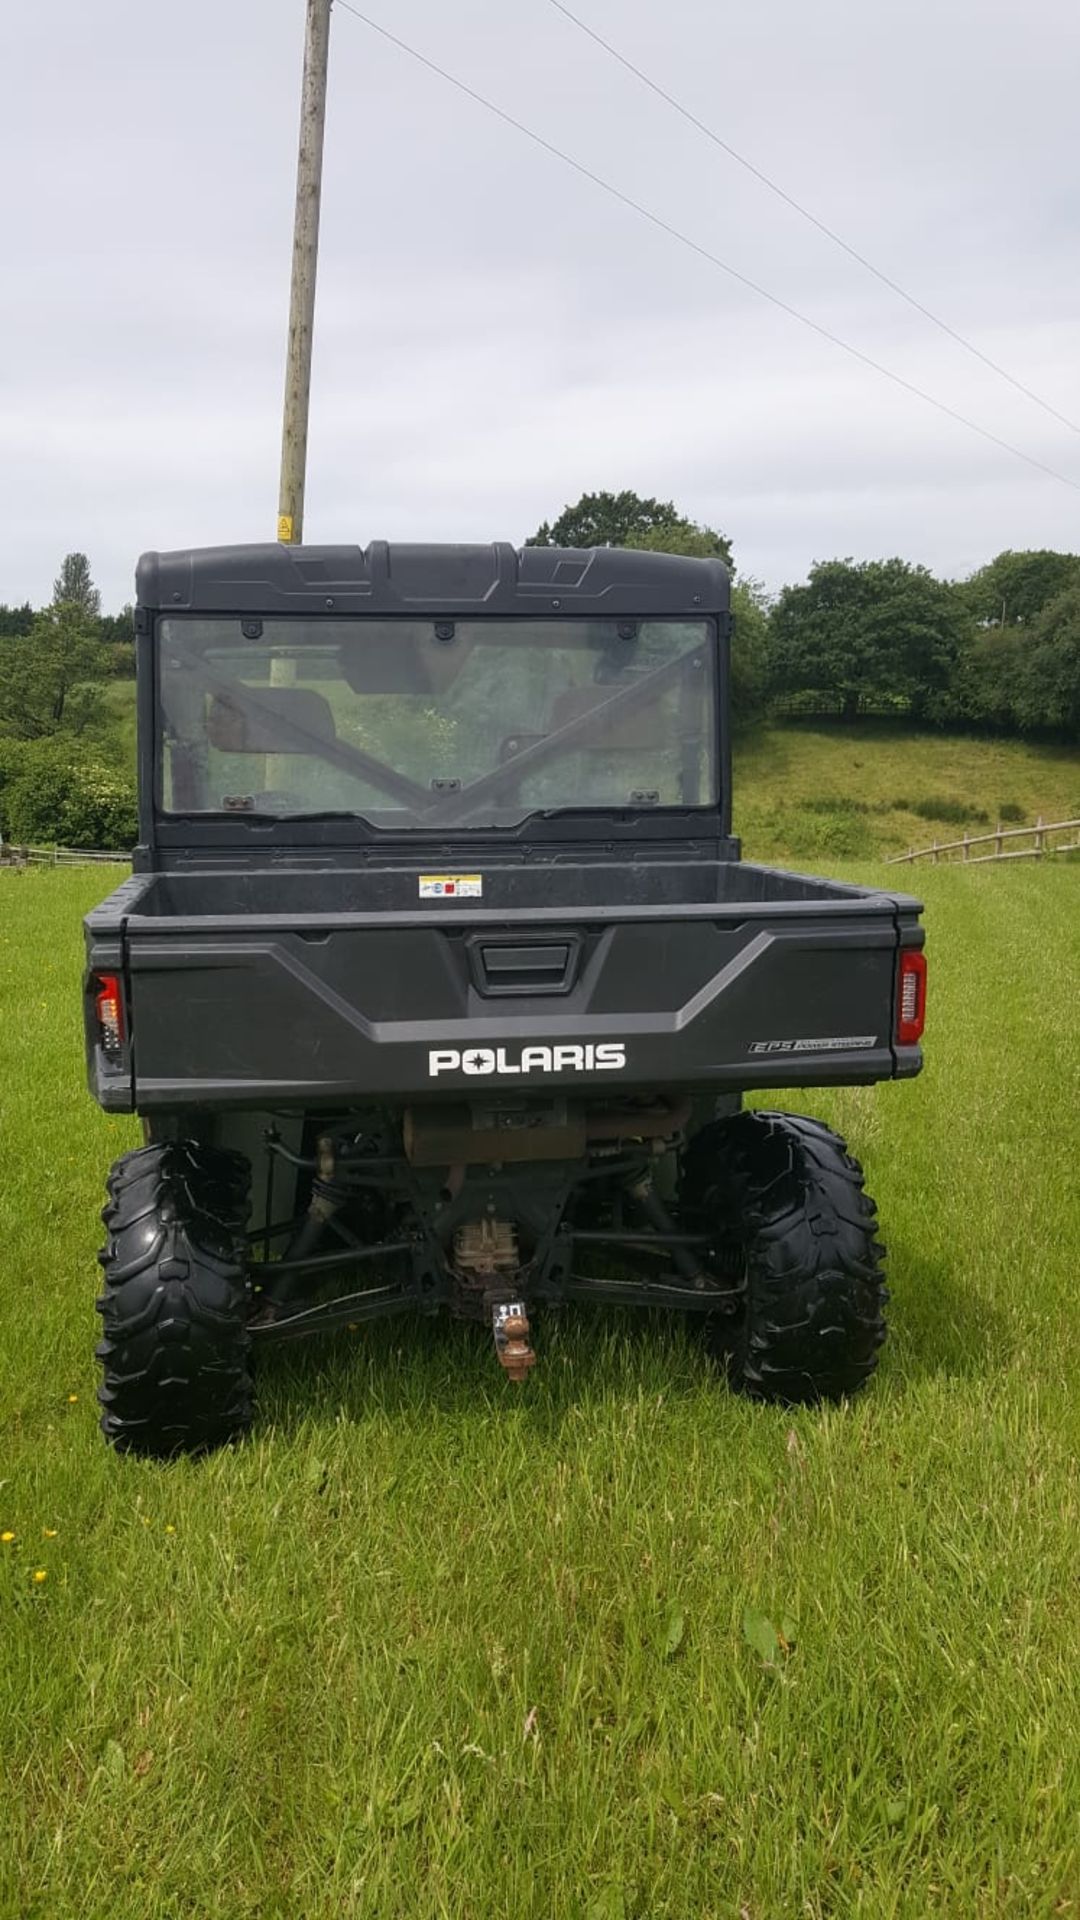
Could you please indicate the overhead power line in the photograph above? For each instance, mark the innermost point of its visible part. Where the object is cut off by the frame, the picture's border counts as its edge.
(805, 213)
(703, 253)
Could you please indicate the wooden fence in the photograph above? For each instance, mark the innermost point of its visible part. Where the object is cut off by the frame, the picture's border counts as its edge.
(13, 856)
(1041, 832)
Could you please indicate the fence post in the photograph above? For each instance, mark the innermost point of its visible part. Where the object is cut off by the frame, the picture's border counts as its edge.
(1039, 834)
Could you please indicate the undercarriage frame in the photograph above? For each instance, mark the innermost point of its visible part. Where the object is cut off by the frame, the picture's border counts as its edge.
(480, 1240)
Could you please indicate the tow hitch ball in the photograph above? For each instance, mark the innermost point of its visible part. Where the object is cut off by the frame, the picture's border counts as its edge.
(510, 1326)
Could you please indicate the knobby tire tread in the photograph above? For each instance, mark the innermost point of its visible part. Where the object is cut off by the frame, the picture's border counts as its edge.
(785, 1189)
(175, 1348)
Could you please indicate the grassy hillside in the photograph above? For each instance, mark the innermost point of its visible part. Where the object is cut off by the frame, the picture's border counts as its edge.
(429, 1647)
(820, 793)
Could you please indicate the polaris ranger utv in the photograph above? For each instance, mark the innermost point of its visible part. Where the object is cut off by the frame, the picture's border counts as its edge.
(439, 979)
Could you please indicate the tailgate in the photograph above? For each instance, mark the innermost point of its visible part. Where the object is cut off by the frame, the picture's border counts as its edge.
(401, 1006)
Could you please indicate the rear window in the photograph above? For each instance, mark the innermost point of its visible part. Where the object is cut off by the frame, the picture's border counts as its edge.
(471, 723)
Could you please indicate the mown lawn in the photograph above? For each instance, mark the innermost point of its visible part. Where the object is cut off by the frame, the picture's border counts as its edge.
(427, 1646)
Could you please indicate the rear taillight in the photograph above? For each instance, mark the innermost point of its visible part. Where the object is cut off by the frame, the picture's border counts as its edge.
(109, 1007)
(910, 997)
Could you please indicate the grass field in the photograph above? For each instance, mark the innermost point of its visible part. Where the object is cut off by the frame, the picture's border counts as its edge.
(615, 1647)
(814, 793)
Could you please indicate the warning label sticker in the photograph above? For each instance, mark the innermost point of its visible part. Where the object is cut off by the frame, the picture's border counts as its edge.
(451, 886)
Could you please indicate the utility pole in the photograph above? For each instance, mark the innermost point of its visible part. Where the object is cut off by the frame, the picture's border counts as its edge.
(294, 432)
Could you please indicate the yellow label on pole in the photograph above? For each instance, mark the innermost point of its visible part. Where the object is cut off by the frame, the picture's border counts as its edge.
(285, 528)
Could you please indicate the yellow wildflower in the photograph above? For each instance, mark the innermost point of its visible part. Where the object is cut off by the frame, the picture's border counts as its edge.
(72, 1397)
(170, 1529)
(49, 1532)
(7, 1538)
(40, 1575)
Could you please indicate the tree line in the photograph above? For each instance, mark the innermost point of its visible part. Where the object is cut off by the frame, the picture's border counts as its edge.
(998, 651)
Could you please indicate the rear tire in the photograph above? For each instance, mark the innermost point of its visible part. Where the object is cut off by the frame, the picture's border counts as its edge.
(175, 1347)
(785, 1201)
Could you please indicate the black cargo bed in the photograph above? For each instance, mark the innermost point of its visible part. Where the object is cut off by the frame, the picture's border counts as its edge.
(284, 896)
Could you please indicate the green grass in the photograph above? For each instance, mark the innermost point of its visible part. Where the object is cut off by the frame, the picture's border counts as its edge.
(827, 793)
(430, 1646)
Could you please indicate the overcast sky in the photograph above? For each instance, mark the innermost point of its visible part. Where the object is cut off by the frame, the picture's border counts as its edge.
(494, 335)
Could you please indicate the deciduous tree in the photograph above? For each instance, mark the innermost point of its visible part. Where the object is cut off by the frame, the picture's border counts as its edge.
(1013, 588)
(627, 520)
(1049, 691)
(880, 631)
(48, 676)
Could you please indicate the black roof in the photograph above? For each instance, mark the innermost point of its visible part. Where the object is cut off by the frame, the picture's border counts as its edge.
(401, 578)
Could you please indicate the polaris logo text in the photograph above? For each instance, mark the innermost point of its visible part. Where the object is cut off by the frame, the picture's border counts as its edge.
(608, 1057)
